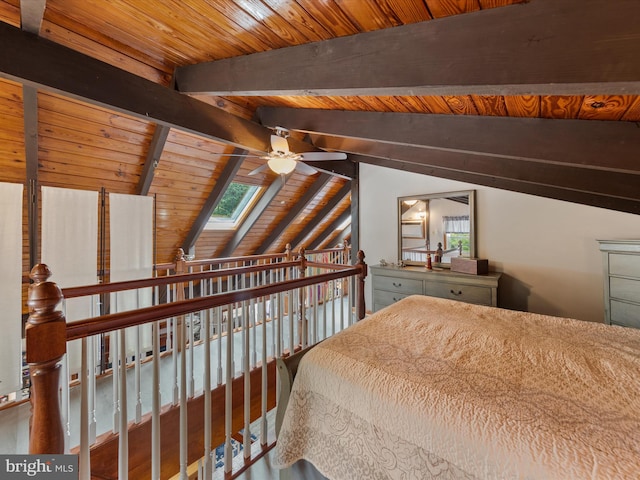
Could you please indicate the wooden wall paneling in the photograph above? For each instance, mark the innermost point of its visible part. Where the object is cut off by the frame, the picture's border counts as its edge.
(484, 4)
(297, 17)
(490, 105)
(390, 103)
(560, 106)
(367, 15)
(435, 104)
(404, 12)
(326, 227)
(633, 113)
(331, 16)
(311, 211)
(523, 106)
(10, 13)
(96, 49)
(128, 24)
(294, 208)
(605, 107)
(445, 8)
(461, 104)
(319, 216)
(72, 107)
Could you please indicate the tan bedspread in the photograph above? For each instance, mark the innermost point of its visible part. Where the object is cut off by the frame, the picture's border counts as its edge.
(431, 388)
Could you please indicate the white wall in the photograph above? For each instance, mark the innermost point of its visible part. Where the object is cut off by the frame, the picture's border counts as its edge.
(546, 249)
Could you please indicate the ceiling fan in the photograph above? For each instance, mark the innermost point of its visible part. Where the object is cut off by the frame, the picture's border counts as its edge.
(283, 161)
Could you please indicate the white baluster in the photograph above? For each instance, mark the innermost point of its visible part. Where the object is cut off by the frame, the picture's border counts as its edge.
(155, 404)
(84, 460)
(123, 438)
(246, 321)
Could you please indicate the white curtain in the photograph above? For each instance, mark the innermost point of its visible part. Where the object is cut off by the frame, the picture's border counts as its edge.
(456, 224)
(11, 287)
(131, 254)
(70, 249)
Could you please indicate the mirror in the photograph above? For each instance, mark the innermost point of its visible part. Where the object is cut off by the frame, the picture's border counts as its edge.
(440, 224)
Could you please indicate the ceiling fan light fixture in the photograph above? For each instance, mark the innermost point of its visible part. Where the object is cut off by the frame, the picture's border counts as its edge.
(282, 165)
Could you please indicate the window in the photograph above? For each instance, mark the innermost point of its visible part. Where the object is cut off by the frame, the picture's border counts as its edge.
(456, 230)
(233, 206)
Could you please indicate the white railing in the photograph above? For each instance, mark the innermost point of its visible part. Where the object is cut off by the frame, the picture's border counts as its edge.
(216, 326)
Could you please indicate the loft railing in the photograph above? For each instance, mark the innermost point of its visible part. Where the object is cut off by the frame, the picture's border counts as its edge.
(248, 311)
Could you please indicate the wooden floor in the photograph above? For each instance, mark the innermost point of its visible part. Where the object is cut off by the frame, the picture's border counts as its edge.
(262, 470)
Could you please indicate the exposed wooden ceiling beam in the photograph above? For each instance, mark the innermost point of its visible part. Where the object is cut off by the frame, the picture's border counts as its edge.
(588, 162)
(318, 217)
(559, 47)
(156, 147)
(595, 144)
(330, 230)
(600, 182)
(251, 218)
(45, 65)
(294, 211)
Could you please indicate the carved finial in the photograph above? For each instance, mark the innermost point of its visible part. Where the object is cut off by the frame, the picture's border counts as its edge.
(43, 296)
(40, 273)
(180, 255)
(360, 256)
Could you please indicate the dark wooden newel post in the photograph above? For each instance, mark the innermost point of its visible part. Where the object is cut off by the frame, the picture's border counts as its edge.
(361, 309)
(46, 345)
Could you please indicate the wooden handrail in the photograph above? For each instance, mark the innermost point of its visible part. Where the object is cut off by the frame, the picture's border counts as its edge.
(116, 321)
(74, 292)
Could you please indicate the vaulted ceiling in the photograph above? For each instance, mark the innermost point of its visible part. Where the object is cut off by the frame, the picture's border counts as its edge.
(166, 98)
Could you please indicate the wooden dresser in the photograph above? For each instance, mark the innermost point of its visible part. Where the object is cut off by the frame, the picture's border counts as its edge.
(621, 260)
(391, 284)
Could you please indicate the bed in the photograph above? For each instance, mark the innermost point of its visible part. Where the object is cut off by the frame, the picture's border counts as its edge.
(433, 388)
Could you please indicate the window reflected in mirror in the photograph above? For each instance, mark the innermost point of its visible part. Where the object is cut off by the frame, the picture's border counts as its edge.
(440, 225)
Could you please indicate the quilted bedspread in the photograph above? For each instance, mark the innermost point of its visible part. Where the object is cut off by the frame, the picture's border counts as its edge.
(432, 388)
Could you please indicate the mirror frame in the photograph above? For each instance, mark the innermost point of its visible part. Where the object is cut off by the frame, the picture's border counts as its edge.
(431, 196)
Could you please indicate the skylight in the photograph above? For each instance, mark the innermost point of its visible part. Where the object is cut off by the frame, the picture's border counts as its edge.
(233, 206)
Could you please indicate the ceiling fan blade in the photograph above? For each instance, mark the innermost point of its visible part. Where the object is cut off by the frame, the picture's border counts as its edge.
(305, 169)
(279, 144)
(317, 156)
(260, 169)
(234, 155)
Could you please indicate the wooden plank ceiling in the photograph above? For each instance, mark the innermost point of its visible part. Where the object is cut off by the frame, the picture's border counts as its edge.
(152, 98)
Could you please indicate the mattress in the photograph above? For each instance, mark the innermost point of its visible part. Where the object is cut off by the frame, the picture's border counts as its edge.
(433, 388)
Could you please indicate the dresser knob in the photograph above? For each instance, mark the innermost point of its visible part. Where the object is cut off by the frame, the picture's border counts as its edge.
(397, 284)
(459, 292)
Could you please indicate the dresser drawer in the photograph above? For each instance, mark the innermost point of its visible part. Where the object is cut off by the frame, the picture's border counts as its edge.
(463, 293)
(624, 289)
(382, 298)
(625, 265)
(625, 314)
(397, 284)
